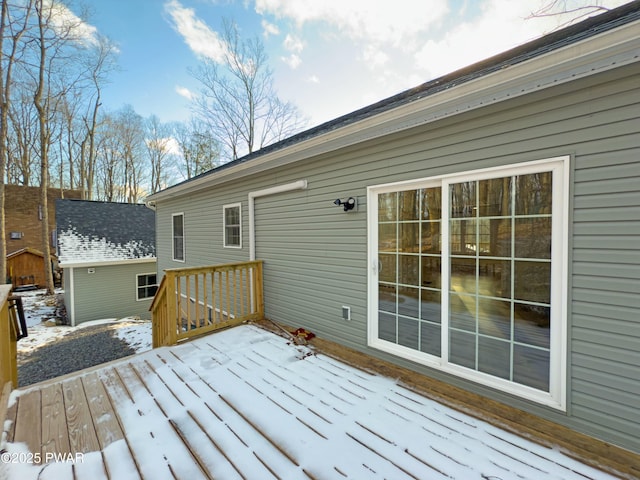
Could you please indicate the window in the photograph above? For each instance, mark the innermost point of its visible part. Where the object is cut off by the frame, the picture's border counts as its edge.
(147, 285)
(232, 226)
(471, 276)
(178, 236)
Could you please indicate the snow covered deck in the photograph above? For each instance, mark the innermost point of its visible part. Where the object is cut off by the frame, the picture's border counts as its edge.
(245, 403)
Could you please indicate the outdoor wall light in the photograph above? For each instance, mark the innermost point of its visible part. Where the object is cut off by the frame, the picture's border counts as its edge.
(348, 204)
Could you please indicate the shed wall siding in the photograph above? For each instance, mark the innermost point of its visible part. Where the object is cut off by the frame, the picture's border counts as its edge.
(315, 253)
(110, 292)
(68, 298)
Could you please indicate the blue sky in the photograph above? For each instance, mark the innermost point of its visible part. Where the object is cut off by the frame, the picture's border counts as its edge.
(329, 57)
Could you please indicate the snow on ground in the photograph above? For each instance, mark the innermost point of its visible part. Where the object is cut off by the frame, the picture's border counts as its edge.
(244, 385)
(40, 312)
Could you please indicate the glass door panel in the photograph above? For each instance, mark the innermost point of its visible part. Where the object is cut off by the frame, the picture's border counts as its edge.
(500, 277)
(409, 264)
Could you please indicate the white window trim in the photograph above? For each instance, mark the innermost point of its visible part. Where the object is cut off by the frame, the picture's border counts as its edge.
(224, 224)
(184, 243)
(556, 397)
(138, 275)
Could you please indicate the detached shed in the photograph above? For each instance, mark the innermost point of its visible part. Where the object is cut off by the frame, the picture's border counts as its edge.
(25, 268)
(107, 253)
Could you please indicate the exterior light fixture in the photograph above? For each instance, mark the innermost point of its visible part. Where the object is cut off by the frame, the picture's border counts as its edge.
(348, 204)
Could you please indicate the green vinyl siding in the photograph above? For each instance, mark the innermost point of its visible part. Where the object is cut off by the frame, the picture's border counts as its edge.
(315, 254)
(109, 292)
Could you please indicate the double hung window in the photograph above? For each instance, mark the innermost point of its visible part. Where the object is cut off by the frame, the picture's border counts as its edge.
(232, 225)
(178, 236)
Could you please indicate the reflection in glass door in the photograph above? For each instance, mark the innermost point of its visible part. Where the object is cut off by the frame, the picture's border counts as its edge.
(500, 277)
(469, 275)
(409, 264)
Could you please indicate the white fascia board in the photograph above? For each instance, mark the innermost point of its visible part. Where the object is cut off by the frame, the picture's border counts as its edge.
(105, 263)
(608, 50)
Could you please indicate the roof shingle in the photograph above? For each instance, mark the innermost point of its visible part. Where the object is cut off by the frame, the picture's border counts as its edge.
(103, 231)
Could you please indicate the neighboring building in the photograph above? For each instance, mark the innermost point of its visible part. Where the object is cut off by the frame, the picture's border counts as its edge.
(107, 253)
(25, 269)
(494, 239)
(23, 227)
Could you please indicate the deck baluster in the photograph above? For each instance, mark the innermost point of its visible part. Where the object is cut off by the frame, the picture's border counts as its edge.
(182, 300)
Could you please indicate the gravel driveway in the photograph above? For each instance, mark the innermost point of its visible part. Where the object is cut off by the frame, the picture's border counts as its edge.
(81, 349)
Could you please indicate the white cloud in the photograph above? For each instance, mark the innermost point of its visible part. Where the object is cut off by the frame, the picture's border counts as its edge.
(184, 92)
(501, 25)
(269, 29)
(367, 50)
(197, 35)
(66, 22)
(394, 22)
(374, 57)
(172, 146)
(293, 43)
(292, 60)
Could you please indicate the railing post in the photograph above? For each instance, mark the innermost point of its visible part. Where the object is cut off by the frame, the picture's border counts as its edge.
(173, 319)
(8, 341)
(259, 291)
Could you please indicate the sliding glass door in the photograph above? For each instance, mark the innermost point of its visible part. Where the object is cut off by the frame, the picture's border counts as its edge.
(468, 275)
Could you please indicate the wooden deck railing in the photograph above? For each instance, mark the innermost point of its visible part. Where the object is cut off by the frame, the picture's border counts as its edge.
(8, 341)
(193, 301)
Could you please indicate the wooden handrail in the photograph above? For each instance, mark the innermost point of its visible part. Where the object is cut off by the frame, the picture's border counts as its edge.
(196, 300)
(8, 341)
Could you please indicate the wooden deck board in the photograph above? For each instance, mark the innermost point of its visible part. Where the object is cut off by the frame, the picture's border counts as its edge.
(148, 463)
(192, 388)
(209, 409)
(28, 421)
(82, 433)
(118, 458)
(160, 404)
(55, 432)
(8, 412)
(104, 420)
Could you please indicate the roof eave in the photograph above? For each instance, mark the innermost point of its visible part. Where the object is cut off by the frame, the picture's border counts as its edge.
(608, 50)
(105, 263)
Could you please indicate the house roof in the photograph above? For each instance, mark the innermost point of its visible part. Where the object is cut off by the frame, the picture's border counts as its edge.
(555, 58)
(94, 232)
(30, 250)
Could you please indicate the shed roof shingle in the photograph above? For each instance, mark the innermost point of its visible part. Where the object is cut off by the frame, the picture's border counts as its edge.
(91, 231)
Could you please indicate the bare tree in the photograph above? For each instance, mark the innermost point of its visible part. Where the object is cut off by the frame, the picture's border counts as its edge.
(21, 166)
(98, 64)
(199, 149)
(571, 10)
(58, 40)
(109, 169)
(158, 141)
(238, 100)
(42, 104)
(120, 153)
(13, 25)
(133, 135)
(131, 128)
